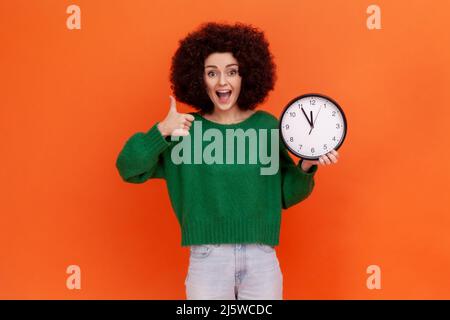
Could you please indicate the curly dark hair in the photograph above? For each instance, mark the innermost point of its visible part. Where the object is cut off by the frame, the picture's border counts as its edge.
(248, 46)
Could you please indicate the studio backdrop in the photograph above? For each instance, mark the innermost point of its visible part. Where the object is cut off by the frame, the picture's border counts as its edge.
(78, 78)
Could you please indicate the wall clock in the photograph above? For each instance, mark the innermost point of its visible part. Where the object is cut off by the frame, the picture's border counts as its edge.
(312, 125)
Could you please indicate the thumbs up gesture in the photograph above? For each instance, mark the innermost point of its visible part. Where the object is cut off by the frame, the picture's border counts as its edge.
(175, 123)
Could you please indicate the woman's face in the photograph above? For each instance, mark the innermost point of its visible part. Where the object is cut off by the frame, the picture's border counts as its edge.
(221, 75)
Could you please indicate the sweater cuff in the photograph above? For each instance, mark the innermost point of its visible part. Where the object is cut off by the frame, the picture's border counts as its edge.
(311, 170)
(156, 140)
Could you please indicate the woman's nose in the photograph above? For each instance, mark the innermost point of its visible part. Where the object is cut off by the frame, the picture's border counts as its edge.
(222, 79)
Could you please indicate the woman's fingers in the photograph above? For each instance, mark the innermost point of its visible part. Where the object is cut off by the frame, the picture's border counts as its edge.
(186, 125)
(335, 153)
(332, 157)
(187, 122)
(180, 132)
(188, 117)
(177, 124)
(325, 159)
(329, 158)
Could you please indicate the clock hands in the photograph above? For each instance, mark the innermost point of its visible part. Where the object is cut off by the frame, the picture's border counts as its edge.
(314, 120)
(310, 121)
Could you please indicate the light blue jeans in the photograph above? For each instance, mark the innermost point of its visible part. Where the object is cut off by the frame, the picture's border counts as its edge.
(233, 271)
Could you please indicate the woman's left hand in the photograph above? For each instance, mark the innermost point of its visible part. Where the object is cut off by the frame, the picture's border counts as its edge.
(326, 159)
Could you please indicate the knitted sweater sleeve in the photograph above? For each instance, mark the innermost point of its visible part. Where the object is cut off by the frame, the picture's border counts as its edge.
(297, 184)
(141, 157)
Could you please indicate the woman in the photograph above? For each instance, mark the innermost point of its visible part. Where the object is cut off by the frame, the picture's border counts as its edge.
(229, 212)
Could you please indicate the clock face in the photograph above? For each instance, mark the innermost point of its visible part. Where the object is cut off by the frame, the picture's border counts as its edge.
(312, 125)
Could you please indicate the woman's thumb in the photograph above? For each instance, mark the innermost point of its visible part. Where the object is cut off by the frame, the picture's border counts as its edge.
(173, 104)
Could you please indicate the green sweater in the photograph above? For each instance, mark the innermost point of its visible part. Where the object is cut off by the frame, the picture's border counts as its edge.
(222, 202)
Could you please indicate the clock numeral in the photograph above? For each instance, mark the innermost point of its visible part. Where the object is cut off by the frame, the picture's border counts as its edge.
(312, 102)
(300, 146)
(325, 147)
(312, 150)
(338, 125)
(333, 113)
(334, 139)
(286, 126)
(291, 139)
(292, 114)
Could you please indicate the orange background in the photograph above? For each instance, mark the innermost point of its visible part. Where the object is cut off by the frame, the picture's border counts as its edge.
(71, 98)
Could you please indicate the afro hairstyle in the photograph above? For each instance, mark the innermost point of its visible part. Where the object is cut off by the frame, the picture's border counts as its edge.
(248, 46)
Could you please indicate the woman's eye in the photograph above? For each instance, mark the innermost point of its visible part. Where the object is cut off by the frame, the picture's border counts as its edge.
(212, 73)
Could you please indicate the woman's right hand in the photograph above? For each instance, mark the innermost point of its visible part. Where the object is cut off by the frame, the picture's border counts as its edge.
(175, 124)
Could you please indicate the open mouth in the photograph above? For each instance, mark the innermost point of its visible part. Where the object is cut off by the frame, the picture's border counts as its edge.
(224, 95)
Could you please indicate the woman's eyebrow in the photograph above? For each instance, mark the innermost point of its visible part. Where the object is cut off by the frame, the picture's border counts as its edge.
(228, 65)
